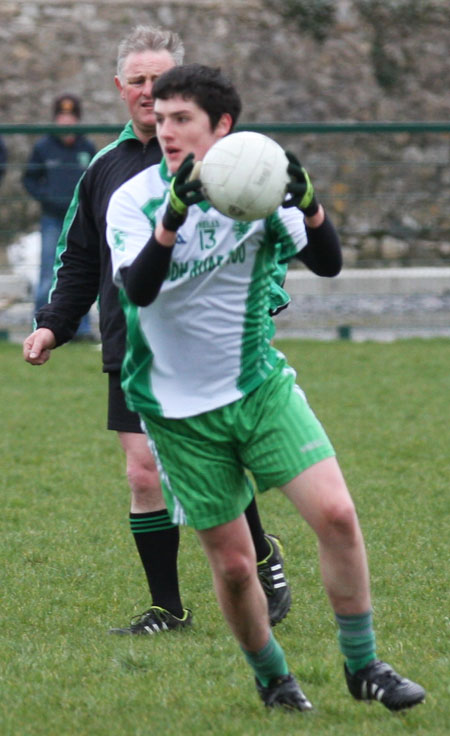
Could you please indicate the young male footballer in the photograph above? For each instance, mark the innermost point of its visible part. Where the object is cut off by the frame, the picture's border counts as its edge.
(217, 398)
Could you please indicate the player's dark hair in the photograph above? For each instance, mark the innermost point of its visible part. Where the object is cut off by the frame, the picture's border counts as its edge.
(207, 87)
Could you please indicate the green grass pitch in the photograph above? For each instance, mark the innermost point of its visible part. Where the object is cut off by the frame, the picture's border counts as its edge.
(69, 568)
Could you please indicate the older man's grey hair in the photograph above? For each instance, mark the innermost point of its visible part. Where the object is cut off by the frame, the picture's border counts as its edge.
(149, 38)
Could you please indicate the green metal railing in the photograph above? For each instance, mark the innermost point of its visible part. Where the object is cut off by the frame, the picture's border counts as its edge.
(274, 127)
(361, 180)
(376, 184)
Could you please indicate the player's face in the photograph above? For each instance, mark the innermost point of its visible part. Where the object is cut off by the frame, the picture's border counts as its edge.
(183, 127)
(140, 71)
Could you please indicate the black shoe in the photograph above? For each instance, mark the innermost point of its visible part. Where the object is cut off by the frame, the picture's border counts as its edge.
(275, 585)
(283, 691)
(154, 621)
(378, 681)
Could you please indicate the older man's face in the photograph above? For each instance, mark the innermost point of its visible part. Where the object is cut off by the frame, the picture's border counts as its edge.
(140, 71)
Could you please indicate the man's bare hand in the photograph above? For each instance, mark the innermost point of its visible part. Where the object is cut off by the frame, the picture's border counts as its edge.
(37, 346)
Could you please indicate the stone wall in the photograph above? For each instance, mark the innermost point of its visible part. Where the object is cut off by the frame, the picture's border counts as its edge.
(388, 193)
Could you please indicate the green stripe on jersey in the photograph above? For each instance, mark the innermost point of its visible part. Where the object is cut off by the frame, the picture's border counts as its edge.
(137, 363)
(257, 356)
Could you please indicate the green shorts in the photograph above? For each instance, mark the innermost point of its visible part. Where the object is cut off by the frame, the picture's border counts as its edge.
(202, 459)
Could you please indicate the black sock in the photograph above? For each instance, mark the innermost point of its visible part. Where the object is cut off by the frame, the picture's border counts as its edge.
(262, 546)
(157, 541)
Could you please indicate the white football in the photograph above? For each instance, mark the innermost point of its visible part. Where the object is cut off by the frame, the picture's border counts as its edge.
(244, 175)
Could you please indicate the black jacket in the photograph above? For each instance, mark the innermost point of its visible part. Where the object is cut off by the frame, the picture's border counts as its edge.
(83, 261)
(53, 170)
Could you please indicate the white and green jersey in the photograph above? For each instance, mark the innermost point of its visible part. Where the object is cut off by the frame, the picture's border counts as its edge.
(205, 340)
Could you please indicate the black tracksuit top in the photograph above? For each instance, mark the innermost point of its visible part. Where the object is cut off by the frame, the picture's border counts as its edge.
(83, 261)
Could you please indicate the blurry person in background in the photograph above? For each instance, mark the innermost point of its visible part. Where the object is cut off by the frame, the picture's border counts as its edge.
(51, 175)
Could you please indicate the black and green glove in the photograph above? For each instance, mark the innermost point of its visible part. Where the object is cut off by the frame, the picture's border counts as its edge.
(300, 188)
(182, 192)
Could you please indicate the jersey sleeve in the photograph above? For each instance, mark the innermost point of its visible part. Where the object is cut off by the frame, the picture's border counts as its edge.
(289, 232)
(128, 229)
